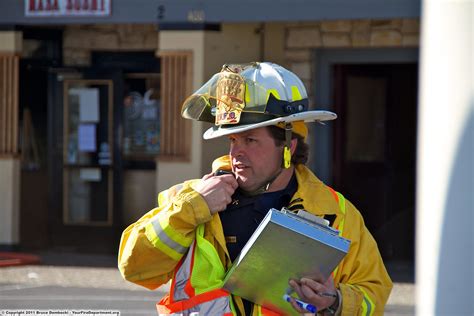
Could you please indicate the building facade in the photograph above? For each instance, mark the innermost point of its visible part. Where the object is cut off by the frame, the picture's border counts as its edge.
(97, 167)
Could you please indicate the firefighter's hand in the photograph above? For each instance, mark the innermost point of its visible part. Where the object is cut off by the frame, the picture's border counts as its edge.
(217, 190)
(315, 292)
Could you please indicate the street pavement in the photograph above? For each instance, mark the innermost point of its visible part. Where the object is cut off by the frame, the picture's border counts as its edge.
(101, 288)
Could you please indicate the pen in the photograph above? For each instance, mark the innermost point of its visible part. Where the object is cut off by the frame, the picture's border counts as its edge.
(310, 308)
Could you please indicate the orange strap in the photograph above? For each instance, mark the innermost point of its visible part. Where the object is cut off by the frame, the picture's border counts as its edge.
(188, 288)
(334, 194)
(269, 312)
(166, 307)
(173, 280)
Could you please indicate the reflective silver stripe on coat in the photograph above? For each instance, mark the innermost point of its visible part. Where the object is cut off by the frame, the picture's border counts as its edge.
(182, 276)
(166, 240)
(217, 306)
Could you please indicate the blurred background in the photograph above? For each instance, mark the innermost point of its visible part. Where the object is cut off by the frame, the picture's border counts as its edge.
(90, 125)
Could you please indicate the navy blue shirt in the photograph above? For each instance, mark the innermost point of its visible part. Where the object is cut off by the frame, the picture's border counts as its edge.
(244, 214)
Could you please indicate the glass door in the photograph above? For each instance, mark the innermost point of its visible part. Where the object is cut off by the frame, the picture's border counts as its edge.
(88, 162)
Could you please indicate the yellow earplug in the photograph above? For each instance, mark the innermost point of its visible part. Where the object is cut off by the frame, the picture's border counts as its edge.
(286, 157)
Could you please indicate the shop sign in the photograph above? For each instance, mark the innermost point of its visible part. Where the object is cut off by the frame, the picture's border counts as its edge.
(42, 8)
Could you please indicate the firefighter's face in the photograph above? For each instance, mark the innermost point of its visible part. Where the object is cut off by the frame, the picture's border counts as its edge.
(255, 158)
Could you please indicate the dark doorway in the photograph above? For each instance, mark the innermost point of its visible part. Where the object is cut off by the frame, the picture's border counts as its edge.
(375, 149)
(42, 49)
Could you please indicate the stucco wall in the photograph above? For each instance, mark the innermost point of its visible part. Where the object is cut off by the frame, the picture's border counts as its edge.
(9, 201)
(10, 43)
(170, 173)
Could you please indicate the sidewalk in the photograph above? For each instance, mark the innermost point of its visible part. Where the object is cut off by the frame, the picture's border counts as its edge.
(83, 281)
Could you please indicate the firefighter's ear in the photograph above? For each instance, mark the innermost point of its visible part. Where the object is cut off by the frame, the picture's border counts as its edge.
(294, 143)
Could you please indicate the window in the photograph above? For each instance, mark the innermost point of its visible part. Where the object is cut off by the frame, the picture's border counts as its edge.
(141, 137)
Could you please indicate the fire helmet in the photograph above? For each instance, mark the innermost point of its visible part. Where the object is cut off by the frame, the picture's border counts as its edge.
(242, 97)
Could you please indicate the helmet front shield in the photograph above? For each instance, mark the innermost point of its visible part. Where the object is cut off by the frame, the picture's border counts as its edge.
(224, 97)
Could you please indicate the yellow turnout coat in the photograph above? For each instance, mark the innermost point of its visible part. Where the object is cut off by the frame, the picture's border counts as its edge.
(151, 248)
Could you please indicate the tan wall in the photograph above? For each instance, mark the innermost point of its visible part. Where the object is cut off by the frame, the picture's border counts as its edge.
(80, 40)
(10, 43)
(274, 47)
(170, 173)
(235, 43)
(139, 194)
(9, 201)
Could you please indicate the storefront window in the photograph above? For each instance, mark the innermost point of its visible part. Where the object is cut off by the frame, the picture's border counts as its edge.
(141, 137)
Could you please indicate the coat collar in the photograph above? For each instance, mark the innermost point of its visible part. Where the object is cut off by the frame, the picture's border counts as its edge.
(317, 197)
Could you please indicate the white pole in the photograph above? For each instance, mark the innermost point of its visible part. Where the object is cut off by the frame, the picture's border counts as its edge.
(445, 203)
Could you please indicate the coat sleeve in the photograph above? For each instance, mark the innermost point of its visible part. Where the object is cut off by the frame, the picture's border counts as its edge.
(361, 277)
(151, 248)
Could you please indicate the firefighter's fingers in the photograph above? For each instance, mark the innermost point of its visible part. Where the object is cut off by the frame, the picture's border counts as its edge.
(207, 176)
(313, 285)
(296, 287)
(216, 192)
(230, 179)
(319, 286)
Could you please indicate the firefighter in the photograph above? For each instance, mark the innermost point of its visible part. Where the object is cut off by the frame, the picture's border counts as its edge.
(200, 226)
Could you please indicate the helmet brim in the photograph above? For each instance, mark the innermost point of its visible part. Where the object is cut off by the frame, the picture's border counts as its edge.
(307, 117)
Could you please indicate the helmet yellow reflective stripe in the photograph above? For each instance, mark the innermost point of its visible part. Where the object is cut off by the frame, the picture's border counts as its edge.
(295, 93)
(275, 94)
(247, 94)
